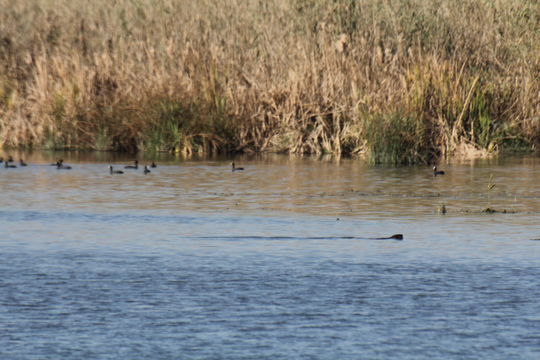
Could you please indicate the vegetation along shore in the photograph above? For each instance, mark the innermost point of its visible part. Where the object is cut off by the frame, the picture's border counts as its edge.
(393, 80)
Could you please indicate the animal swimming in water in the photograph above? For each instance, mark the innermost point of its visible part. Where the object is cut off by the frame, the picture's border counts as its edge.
(234, 168)
(112, 171)
(437, 172)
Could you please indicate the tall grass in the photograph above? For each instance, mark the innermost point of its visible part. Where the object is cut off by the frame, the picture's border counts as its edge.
(397, 81)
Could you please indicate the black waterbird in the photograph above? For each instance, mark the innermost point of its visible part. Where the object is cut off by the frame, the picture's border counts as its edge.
(115, 171)
(437, 172)
(60, 165)
(234, 168)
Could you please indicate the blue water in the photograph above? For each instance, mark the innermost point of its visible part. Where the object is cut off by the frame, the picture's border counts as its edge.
(198, 263)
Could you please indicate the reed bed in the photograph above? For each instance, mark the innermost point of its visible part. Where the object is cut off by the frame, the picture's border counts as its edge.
(393, 80)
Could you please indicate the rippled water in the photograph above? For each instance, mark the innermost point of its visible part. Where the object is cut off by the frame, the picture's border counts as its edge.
(194, 261)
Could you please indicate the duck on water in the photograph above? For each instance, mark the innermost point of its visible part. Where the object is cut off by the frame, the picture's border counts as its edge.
(60, 165)
(234, 168)
(112, 171)
(437, 172)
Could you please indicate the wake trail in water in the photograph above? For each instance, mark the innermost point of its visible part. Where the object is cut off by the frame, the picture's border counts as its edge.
(255, 237)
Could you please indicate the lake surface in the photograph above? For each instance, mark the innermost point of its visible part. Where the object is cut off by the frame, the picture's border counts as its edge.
(193, 261)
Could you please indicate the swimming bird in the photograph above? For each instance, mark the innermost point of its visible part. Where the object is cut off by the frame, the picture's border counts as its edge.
(7, 165)
(146, 170)
(153, 165)
(437, 172)
(23, 163)
(60, 165)
(115, 171)
(60, 161)
(136, 166)
(10, 159)
(234, 168)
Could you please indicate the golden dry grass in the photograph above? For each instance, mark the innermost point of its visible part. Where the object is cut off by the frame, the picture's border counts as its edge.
(399, 81)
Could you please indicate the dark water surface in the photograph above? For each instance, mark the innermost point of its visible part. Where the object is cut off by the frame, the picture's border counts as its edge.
(194, 261)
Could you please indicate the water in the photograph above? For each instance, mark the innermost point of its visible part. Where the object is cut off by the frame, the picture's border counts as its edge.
(195, 262)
